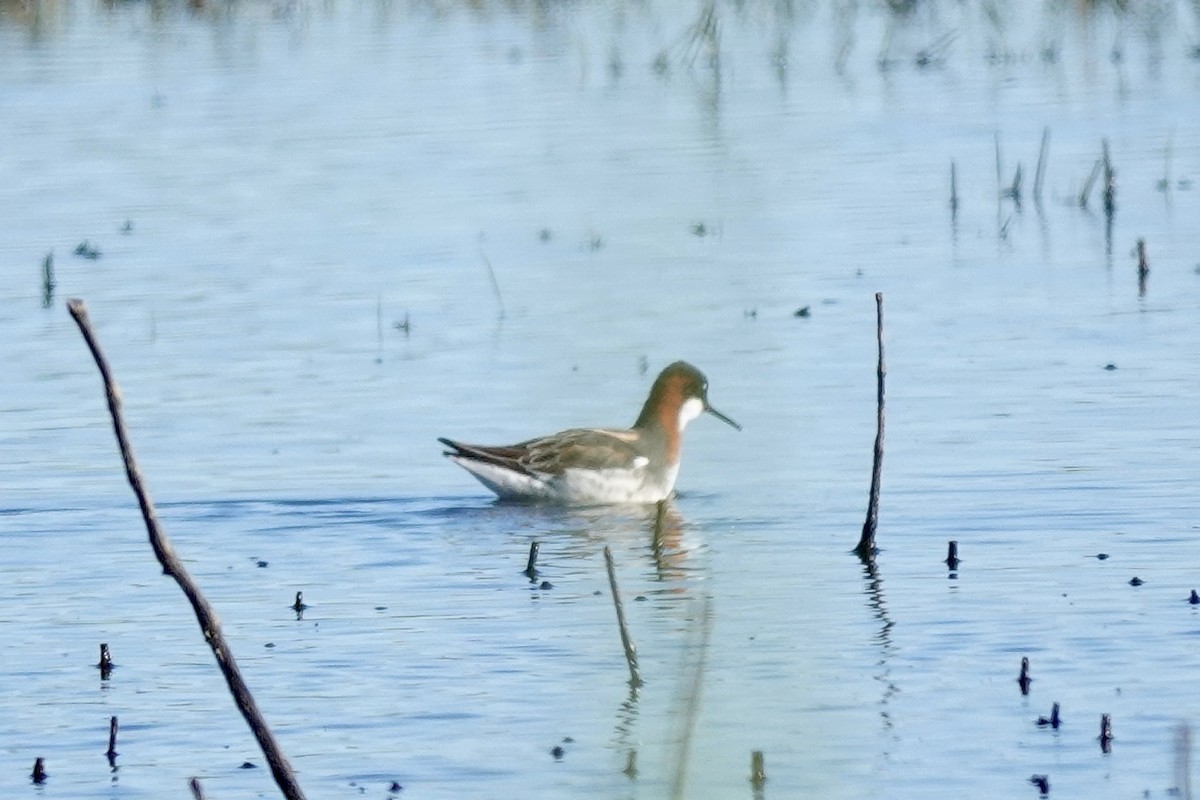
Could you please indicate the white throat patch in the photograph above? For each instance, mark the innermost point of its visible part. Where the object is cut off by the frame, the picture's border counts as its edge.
(691, 408)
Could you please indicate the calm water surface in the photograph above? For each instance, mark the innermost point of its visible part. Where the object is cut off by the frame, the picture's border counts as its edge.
(299, 178)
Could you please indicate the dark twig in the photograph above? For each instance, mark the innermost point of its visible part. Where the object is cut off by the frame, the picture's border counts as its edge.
(1086, 191)
(197, 789)
(111, 752)
(1054, 721)
(952, 559)
(1143, 267)
(105, 665)
(39, 771)
(1106, 734)
(626, 641)
(48, 280)
(999, 165)
(1023, 680)
(758, 772)
(531, 562)
(953, 189)
(866, 543)
(495, 283)
(1110, 184)
(173, 566)
(1040, 172)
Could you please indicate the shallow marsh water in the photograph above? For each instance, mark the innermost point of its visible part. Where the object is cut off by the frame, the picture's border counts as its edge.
(301, 177)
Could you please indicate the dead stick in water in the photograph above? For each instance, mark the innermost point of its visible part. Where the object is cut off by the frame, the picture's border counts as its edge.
(758, 773)
(48, 280)
(1143, 267)
(112, 740)
(105, 665)
(1086, 191)
(495, 283)
(197, 789)
(953, 188)
(206, 616)
(1040, 172)
(531, 563)
(1110, 183)
(626, 642)
(866, 543)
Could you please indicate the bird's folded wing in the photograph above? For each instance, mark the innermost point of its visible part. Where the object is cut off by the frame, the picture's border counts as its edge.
(581, 448)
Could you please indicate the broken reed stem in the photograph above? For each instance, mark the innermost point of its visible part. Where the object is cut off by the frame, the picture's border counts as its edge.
(1041, 165)
(39, 770)
(758, 772)
(531, 563)
(1110, 183)
(1143, 267)
(953, 188)
(105, 665)
(197, 790)
(999, 166)
(206, 616)
(952, 559)
(379, 321)
(1086, 191)
(635, 680)
(495, 283)
(1106, 734)
(111, 752)
(48, 280)
(866, 543)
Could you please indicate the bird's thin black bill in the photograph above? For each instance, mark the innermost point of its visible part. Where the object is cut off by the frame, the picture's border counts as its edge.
(722, 417)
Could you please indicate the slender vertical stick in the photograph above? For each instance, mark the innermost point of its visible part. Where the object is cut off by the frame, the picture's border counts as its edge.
(1143, 267)
(758, 772)
(999, 165)
(206, 616)
(112, 740)
(626, 642)
(1110, 183)
(48, 280)
(952, 559)
(953, 188)
(866, 543)
(495, 283)
(105, 664)
(531, 563)
(1086, 191)
(1041, 165)
(379, 322)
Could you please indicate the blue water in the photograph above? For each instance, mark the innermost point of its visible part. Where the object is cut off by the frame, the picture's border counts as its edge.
(301, 179)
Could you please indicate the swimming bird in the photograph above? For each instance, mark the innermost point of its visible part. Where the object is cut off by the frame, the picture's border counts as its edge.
(598, 466)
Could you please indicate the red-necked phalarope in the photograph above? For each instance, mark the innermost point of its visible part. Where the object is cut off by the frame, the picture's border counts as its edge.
(585, 466)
